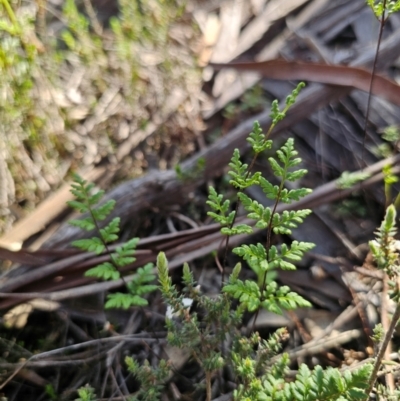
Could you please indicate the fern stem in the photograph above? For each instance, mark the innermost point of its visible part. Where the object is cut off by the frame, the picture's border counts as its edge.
(236, 212)
(268, 246)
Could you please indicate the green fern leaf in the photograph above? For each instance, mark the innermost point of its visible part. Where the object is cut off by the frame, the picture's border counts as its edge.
(90, 245)
(124, 301)
(110, 232)
(78, 206)
(238, 229)
(84, 224)
(257, 139)
(95, 198)
(101, 212)
(276, 168)
(271, 191)
(105, 271)
(296, 175)
(248, 293)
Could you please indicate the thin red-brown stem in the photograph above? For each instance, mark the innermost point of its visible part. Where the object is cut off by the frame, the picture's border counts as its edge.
(382, 25)
(268, 246)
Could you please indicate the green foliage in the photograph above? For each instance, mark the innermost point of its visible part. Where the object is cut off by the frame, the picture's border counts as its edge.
(383, 7)
(378, 331)
(86, 394)
(257, 139)
(273, 298)
(278, 115)
(391, 133)
(384, 393)
(51, 393)
(87, 201)
(389, 180)
(200, 332)
(329, 384)
(388, 177)
(260, 375)
(318, 385)
(77, 36)
(383, 247)
(241, 177)
(221, 208)
(259, 371)
(348, 180)
(18, 66)
(138, 286)
(385, 251)
(152, 379)
(265, 258)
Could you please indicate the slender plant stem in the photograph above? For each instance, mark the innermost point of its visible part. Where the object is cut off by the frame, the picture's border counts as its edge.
(233, 222)
(268, 246)
(382, 25)
(382, 350)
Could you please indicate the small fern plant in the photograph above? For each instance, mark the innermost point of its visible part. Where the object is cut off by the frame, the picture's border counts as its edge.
(211, 333)
(88, 202)
(265, 258)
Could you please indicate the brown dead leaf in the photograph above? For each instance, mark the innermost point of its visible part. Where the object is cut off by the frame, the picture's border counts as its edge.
(340, 75)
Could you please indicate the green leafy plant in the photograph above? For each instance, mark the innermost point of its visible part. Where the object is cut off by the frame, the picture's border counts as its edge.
(123, 255)
(152, 379)
(319, 384)
(202, 339)
(348, 179)
(259, 370)
(383, 8)
(265, 258)
(86, 394)
(50, 391)
(386, 254)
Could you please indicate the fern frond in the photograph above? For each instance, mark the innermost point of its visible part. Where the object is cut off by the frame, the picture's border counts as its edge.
(110, 232)
(241, 177)
(257, 139)
(84, 224)
(120, 300)
(247, 292)
(102, 211)
(93, 244)
(105, 271)
(284, 222)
